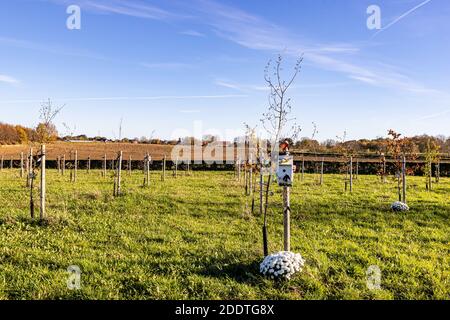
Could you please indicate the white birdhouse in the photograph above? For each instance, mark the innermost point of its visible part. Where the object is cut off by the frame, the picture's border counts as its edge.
(285, 170)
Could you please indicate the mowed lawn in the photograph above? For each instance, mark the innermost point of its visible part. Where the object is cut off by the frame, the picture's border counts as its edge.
(195, 237)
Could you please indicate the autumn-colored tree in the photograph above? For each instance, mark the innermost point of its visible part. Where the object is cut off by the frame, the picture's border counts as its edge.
(22, 134)
(400, 148)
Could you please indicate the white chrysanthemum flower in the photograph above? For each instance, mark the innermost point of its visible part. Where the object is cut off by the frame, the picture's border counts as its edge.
(282, 265)
(399, 206)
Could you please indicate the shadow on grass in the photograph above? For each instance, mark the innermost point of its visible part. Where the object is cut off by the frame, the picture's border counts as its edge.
(246, 272)
(49, 222)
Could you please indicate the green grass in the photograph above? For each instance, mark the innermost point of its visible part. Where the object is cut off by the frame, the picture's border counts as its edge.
(196, 238)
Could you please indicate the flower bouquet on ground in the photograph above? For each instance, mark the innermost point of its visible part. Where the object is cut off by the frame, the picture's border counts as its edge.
(282, 265)
(399, 206)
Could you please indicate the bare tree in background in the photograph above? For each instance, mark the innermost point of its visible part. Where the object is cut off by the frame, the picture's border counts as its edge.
(46, 130)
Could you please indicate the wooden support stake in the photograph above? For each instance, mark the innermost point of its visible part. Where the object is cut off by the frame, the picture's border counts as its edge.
(351, 174)
(30, 167)
(239, 169)
(119, 174)
(321, 171)
(42, 214)
(129, 165)
(75, 167)
(404, 179)
(63, 165)
(163, 177)
(21, 165)
(104, 166)
(287, 218)
(89, 164)
(303, 167)
(250, 182)
(176, 167)
(357, 169)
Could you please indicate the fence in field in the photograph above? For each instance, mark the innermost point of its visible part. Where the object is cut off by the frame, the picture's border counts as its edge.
(246, 170)
(305, 163)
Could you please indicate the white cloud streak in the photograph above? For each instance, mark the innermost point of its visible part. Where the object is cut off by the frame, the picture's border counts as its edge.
(181, 97)
(8, 79)
(402, 16)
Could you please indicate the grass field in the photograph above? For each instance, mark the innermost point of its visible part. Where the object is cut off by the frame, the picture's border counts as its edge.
(195, 237)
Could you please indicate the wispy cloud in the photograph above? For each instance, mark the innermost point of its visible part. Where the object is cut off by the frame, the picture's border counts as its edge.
(172, 97)
(256, 33)
(49, 48)
(167, 65)
(193, 33)
(402, 16)
(8, 79)
(138, 9)
(434, 115)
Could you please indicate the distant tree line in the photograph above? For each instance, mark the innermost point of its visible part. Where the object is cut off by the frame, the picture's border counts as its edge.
(17, 134)
(413, 145)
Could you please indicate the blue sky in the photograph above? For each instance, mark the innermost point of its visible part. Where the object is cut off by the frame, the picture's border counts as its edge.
(161, 65)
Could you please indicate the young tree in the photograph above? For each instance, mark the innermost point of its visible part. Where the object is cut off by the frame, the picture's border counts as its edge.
(278, 123)
(431, 156)
(401, 148)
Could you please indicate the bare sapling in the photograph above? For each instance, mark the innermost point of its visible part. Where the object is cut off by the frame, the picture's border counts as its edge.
(276, 121)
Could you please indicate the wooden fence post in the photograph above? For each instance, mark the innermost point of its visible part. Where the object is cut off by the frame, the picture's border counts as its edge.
(250, 173)
(42, 214)
(149, 159)
(163, 177)
(176, 167)
(75, 167)
(119, 174)
(89, 164)
(1, 164)
(58, 164)
(21, 165)
(147, 170)
(104, 166)
(63, 164)
(357, 169)
(303, 167)
(11, 166)
(351, 174)
(30, 167)
(239, 169)
(129, 165)
(321, 171)
(404, 178)
(438, 172)
(430, 177)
